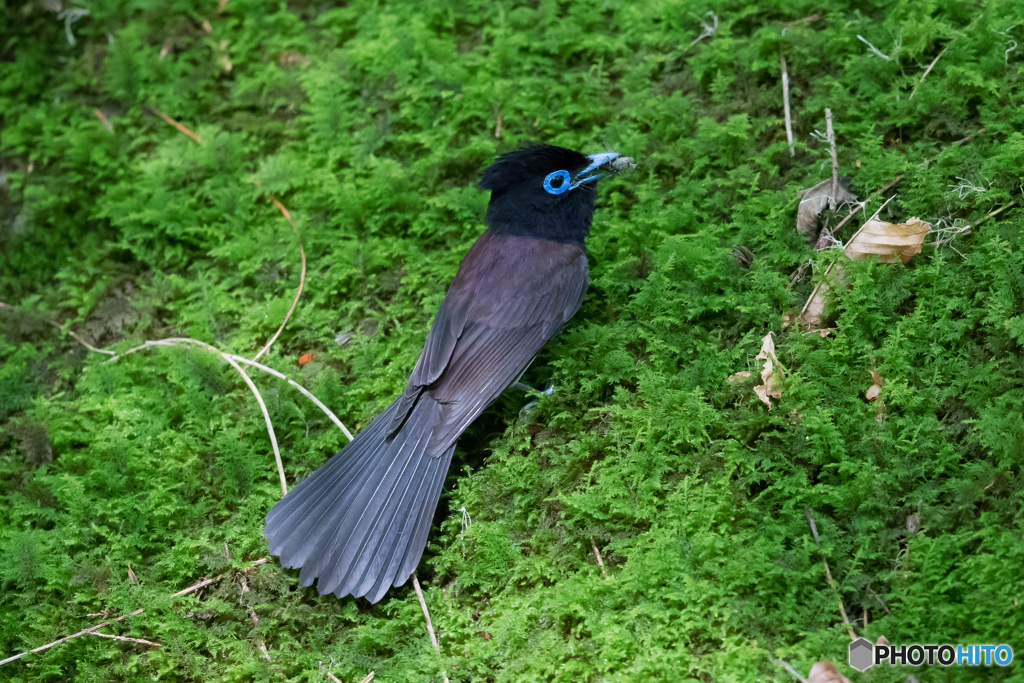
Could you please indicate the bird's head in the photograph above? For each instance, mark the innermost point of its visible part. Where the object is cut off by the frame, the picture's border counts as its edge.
(545, 191)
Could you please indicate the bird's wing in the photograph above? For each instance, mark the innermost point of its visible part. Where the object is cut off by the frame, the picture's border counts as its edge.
(510, 296)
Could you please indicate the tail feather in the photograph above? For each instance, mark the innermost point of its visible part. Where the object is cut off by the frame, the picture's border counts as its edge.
(359, 524)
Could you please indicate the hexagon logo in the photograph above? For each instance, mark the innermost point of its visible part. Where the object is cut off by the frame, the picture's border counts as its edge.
(862, 654)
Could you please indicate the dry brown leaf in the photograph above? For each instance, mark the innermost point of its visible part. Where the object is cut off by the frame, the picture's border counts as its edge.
(770, 378)
(825, 672)
(739, 376)
(291, 57)
(813, 201)
(889, 242)
(872, 393)
(882, 640)
(131, 575)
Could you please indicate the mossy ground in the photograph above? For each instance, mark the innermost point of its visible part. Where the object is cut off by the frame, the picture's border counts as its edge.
(371, 123)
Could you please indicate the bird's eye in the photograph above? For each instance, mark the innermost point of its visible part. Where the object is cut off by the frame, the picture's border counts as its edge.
(557, 182)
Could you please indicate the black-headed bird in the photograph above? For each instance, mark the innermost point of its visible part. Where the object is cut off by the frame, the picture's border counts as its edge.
(358, 525)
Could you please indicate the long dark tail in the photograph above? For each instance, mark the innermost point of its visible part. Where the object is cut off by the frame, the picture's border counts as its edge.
(359, 523)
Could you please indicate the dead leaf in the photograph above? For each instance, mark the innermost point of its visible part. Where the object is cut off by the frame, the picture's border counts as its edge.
(769, 377)
(131, 575)
(825, 672)
(739, 376)
(305, 358)
(291, 57)
(813, 201)
(223, 59)
(889, 242)
(914, 523)
(872, 393)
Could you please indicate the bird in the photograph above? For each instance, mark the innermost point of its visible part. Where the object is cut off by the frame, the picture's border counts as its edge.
(358, 525)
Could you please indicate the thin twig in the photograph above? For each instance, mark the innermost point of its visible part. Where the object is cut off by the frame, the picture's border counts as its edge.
(835, 162)
(125, 638)
(369, 677)
(333, 677)
(173, 341)
(790, 669)
(234, 360)
(828, 575)
(64, 328)
(426, 615)
(302, 280)
(100, 625)
(252, 387)
(880, 601)
(803, 311)
(785, 105)
(926, 72)
(174, 123)
(597, 554)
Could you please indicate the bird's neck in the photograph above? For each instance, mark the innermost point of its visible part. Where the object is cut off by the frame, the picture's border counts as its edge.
(567, 227)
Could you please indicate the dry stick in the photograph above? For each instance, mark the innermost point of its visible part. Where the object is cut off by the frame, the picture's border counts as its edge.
(174, 123)
(172, 341)
(785, 105)
(248, 382)
(64, 328)
(835, 162)
(426, 615)
(190, 589)
(302, 280)
(828, 575)
(926, 72)
(266, 418)
(125, 638)
(880, 601)
(814, 293)
(369, 677)
(895, 181)
(598, 556)
(790, 670)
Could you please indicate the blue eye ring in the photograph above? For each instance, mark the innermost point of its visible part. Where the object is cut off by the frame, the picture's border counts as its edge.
(564, 175)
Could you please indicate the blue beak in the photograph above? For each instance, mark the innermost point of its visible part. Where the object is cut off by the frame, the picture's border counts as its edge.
(596, 162)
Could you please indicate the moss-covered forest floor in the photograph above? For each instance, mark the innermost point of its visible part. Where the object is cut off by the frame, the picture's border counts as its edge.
(371, 122)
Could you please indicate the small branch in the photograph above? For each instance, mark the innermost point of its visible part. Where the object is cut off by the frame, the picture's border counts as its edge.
(206, 582)
(426, 615)
(873, 48)
(369, 677)
(790, 669)
(91, 629)
(174, 123)
(104, 120)
(174, 341)
(597, 554)
(497, 127)
(880, 601)
(835, 162)
(266, 418)
(125, 638)
(64, 328)
(302, 279)
(785, 104)
(926, 72)
(828, 575)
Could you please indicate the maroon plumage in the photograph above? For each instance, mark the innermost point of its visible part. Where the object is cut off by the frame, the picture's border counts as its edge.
(358, 525)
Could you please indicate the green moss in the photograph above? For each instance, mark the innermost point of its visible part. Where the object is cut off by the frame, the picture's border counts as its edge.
(371, 124)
